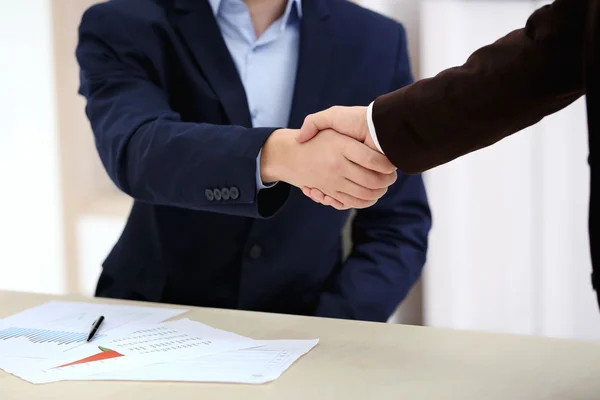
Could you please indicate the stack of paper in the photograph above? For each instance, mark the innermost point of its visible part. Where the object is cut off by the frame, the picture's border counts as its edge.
(48, 344)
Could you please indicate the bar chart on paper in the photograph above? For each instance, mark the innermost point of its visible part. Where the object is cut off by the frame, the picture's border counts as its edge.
(38, 342)
(55, 329)
(43, 336)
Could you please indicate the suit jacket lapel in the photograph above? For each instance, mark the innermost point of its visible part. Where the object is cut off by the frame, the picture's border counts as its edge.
(313, 62)
(197, 25)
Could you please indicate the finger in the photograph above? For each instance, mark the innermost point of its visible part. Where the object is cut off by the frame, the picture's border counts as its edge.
(348, 201)
(313, 124)
(318, 196)
(356, 202)
(329, 201)
(367, 178)
(342, 202)
(348, 121)
(368, 158)
(357, 191)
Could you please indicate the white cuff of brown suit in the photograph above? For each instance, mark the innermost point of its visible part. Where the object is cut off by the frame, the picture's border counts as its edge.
(372, 127)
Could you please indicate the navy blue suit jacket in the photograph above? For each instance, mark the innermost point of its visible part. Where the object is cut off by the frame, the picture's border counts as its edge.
(172, 127)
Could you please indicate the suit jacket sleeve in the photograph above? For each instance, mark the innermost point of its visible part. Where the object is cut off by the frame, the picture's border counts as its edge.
(501, 89)
(389, 245)
(147, 149)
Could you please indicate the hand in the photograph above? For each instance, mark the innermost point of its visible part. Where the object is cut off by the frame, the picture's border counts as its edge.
(351, 174)
(349, 121)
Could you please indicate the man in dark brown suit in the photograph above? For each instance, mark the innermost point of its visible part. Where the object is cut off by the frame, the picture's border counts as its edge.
(501, 89)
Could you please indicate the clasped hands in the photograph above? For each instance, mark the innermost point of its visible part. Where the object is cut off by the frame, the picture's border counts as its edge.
(332, 158)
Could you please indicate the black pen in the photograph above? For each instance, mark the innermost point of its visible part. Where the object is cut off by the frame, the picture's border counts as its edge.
(95, 327)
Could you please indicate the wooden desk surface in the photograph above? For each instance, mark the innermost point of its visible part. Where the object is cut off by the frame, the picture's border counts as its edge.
(359, 360)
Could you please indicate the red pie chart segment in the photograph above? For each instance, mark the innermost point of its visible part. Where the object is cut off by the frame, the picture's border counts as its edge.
(104, 355)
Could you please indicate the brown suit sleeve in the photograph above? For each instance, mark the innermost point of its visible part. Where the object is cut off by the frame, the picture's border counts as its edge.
(501, 89)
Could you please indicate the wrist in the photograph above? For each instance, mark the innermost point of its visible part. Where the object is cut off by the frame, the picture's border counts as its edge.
(275, 155)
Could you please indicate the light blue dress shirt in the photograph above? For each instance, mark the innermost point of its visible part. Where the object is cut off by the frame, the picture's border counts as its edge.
(267, 65)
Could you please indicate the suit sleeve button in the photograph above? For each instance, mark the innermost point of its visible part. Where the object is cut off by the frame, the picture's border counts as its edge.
(225, 194)
(209, 195)
(217, 194)
(234, 193)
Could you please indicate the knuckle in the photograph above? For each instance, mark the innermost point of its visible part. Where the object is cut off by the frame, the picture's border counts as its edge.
(373, 159)
(367, 160)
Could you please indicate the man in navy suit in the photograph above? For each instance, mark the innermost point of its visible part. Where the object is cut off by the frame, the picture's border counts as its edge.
(195, 105)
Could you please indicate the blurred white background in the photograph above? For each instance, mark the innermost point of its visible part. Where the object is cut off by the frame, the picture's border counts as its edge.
(508, 252)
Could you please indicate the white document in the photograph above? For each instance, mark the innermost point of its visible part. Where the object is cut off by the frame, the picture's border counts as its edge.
(256, 365)
(177, 339)
(182, 350)
(169, 341)
(56, 328)
(263, 361)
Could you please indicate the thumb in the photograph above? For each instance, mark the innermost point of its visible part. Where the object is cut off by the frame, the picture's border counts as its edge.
(313, 124)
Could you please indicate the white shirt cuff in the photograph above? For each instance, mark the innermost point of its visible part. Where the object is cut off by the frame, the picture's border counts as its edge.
(259, 183)
(372, 127)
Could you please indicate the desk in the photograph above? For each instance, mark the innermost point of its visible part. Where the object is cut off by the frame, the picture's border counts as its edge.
(360, 360)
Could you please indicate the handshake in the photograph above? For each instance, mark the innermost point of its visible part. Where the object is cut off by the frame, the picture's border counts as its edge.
(332, 158)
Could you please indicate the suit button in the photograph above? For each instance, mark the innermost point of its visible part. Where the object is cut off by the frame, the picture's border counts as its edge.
(225, 193)
(255, 252)
(217, 194)
(209, 195)
(234, 193)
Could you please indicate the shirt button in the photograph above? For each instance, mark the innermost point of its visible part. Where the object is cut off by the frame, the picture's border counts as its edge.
(225, 194)
(255, 252)
(254, 113)
(234, 193)
(209, 195)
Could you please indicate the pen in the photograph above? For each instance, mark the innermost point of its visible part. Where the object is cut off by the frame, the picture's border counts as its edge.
(95, 327)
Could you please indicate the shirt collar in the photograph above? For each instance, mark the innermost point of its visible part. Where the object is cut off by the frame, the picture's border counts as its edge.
(291, 5)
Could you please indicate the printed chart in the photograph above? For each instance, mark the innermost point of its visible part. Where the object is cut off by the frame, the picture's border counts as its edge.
(44, 336)
(104, 354)
(55, 329)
